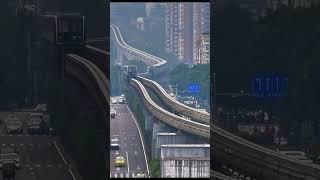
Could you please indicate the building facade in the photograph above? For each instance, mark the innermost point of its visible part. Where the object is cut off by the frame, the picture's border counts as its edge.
(201, 33)
(203, 55)
(185, 24)
(185, 161)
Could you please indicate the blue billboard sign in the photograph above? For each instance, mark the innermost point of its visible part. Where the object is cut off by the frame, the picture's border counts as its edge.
(269, 85)
(194, 88)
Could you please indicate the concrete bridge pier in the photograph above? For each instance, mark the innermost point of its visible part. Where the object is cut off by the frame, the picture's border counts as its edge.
(119, 56)
(148, 119)
(158, 127)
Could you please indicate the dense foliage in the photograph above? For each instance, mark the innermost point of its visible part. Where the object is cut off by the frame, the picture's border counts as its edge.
(155, 168)
(184, 76)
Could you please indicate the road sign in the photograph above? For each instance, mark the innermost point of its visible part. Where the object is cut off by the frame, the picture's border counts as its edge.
(194, 88)
(269, 85)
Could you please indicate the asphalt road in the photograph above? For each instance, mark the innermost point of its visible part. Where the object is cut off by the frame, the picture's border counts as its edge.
(124, 128)
(39, 154)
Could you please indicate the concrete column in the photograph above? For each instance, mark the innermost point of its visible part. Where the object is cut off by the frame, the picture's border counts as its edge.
(154, 138)
(148, 119)
(158, 127)
(119, 56)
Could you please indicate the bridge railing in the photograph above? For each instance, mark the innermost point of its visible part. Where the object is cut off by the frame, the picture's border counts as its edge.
(199, 116)
(95, 74)
(170, 118)
(124, 45)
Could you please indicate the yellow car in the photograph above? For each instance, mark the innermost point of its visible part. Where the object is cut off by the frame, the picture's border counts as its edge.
(119, 161)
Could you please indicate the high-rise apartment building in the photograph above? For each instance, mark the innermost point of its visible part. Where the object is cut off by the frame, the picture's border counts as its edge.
(185, 23)
(179, 30)
(203, 54)
(201, 29)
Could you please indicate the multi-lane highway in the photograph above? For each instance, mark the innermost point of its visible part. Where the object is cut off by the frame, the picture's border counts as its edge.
(41, 156)
(124, 127)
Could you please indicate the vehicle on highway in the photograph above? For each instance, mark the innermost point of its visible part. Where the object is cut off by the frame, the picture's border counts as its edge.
(8, 170)
(36, 115)
(140, 175)
(115, 146)
(114, 140)
(113, 113)
(113, 101)
(7, 150)
(119, 161)
(11, 116)
(41, 107)
(121, 100)
(10, 158)
(299, 155)
(14, 127)
(34, 126)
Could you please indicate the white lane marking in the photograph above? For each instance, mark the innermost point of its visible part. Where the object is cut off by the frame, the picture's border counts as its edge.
(65, 162)
(74, 178)
(144, 152)
(55, 144)
(135, 152)
(121, 175)
(127, 175)
(115, 175)
(132, 174)
(127, 158)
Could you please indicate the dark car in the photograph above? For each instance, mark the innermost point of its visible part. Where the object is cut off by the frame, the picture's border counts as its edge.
(8, 171)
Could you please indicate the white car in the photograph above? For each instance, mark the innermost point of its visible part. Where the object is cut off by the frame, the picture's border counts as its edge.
(10, 157)
(36, 115)
(122, 100)
(13, 126)
(41, 107)
(140, 175)
(113, 101)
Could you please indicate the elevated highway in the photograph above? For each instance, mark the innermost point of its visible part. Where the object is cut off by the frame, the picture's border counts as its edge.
(194, 114)
(90, 76)
(130, 52)
(168, 117)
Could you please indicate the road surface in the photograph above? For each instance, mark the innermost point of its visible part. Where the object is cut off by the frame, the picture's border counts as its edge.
(40, 155)
(124, 128)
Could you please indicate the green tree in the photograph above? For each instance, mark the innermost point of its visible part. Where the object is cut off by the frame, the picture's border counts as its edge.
(155, 168)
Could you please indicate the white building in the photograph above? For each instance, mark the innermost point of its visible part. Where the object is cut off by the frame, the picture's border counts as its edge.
(185, 161)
